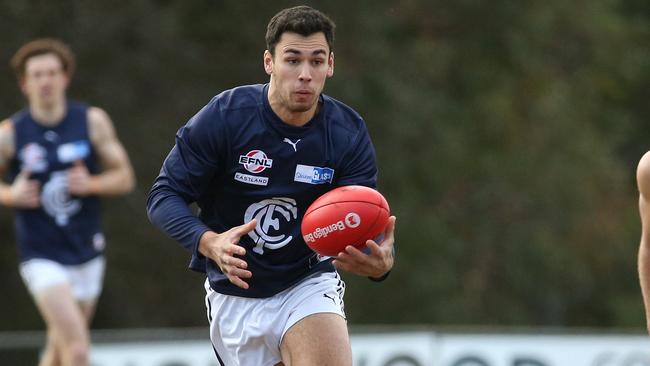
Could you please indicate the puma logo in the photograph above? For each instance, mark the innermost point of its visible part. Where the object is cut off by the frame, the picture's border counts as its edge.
(295, 149)
(330, 297)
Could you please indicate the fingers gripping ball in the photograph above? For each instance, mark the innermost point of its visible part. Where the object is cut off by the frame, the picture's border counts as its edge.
(348, 215)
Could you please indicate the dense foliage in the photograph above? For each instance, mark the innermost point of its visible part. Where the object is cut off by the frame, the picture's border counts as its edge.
(507, 135)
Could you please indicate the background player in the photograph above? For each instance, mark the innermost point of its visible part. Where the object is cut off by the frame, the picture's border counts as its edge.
(243, 159)
(52, 151)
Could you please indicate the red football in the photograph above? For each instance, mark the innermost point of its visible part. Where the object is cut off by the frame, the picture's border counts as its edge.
(348, 215)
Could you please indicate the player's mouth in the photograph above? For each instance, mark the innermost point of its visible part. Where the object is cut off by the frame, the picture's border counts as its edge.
(303, 95)
(46, 91)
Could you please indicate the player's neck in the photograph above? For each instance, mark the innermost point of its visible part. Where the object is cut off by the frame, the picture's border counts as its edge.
(297, 119)
(48, 114)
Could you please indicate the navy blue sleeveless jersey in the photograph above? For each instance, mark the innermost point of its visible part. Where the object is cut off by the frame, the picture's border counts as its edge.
(64, 228)
(238, 161)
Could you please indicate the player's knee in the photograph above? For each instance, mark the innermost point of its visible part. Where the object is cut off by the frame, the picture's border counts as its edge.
(78, 352)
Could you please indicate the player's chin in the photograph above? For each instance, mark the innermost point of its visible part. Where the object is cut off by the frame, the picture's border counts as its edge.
(301, 107)
(303, 104)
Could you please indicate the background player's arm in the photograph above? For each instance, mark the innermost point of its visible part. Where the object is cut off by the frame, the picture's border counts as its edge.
(6, 154)
(23, 192)
(117, 176)
(643, 181)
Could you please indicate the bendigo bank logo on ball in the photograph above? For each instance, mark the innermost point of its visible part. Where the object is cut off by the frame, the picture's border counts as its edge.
(347, 215)
(351, 221)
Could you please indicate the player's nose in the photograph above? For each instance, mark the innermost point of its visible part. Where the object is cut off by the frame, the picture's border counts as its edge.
(305, 73)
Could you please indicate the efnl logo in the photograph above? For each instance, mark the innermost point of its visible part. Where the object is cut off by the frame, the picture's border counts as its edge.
(313, 174)
(255, 161)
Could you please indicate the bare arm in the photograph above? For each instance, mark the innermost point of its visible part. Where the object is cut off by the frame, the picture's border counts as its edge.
(117, 176)
(6, 154)
(643, 181)
(23, 192)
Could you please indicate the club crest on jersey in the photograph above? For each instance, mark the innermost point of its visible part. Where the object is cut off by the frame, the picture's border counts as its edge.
(270, 215)
(56, 199)
(255, 161)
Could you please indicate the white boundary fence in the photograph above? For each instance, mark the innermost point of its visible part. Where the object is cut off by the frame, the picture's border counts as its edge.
(378, 347)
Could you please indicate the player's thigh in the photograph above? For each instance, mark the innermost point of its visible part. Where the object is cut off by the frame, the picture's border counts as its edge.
(62, 313)
(319, 339)
(88, 309)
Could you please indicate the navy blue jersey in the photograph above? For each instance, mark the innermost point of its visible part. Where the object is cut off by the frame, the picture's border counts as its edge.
(64, 228)
(238, 161)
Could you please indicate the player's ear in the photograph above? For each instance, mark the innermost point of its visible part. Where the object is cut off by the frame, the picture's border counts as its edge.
(67, 78)
(268, 62)
(22, 84)
(330, 65)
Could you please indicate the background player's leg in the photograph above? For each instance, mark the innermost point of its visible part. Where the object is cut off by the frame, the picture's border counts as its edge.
(66, 323)
(51, 356)
(319, 340)
(88, 310)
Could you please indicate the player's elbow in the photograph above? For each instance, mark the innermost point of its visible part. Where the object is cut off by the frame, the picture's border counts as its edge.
(129, 181)
(643, 175)
(155, 205)
(151, 205)
(645, 244)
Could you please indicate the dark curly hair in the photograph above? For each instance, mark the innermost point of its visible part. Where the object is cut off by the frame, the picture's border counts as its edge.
(303, 20)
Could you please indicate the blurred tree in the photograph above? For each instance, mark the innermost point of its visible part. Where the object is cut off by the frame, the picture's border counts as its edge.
(507, 135)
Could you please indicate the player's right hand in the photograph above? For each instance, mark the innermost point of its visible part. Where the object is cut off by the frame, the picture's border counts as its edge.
(224, 250)
(24, 192)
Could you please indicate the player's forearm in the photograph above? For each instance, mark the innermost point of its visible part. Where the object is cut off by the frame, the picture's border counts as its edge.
(112, 182)
(5, 195)
(171, 214)
(644, 277)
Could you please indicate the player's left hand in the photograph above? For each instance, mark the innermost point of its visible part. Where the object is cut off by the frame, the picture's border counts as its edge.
(374, 264)
(79, 180)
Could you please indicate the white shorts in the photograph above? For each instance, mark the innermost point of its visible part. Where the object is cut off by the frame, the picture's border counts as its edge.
(248, 331)
(85, 279)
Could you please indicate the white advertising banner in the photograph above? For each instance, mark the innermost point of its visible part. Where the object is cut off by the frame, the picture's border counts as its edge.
(163, 353)
(394, 349)
(542, 350)
(417, 349)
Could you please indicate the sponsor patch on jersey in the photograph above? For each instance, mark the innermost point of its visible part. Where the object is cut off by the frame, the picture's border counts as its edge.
(99, 242)
(255, 161)
(252, 179)
(72, 151)
(313, 174)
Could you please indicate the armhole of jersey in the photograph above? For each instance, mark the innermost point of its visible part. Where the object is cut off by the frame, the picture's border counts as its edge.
(86, 123)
